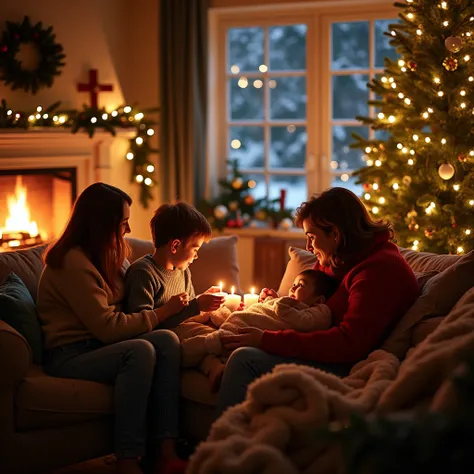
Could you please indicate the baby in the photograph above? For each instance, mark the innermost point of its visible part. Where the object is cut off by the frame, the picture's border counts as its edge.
(302, 310)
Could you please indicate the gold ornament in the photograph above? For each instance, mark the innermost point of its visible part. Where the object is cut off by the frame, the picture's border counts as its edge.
(446, 171)
(261, 215)
(453, 44)
(249, 200)
(406, 180)
(450, 64)
(237, 183)
(233, 205)
(412, 214)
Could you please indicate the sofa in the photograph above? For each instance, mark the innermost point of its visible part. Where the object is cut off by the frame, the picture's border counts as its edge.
(47, 422)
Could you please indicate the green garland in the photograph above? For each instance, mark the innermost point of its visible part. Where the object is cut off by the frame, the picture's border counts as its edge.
(90, 120)
(50, 56)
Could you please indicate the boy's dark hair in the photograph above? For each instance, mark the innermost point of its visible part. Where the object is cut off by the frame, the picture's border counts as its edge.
(178, 221)
(323, 284)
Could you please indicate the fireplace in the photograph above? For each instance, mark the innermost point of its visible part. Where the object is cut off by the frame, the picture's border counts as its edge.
(34, 205)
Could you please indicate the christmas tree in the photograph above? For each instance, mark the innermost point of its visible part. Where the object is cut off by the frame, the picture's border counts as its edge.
(420, 162)
(235, 205)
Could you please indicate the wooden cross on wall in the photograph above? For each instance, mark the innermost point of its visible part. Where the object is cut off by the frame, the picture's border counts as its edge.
(93, 87)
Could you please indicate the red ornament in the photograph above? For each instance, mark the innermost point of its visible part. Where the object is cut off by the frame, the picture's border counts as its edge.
(230, 223)
(462, 158)
(239, 223)
(412, 65)
(93, 87)
(282, 199)
(249, 200)
(366, 186)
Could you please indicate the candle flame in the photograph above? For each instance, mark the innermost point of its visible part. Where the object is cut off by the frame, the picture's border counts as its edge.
(220, 286)
(252, 290)
(232, 290)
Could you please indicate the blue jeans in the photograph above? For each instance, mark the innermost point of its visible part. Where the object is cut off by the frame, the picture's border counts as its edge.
(249, 363)
(145, 373)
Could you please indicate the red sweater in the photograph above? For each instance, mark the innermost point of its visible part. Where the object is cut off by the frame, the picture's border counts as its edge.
(373, 295)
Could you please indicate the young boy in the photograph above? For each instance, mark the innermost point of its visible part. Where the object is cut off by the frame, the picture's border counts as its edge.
(164, 279)
(303, 310)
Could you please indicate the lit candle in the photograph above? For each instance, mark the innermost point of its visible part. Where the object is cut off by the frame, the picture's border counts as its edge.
(221, 293)
(233, 301)
(250, 298)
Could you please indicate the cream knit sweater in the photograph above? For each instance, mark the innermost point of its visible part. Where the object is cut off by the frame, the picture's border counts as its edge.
(74, 303)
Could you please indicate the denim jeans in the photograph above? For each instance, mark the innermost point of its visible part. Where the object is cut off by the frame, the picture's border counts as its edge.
(145, 373)
(248, 363)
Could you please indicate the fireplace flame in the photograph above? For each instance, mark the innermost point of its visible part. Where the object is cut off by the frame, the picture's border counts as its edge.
(18, 220)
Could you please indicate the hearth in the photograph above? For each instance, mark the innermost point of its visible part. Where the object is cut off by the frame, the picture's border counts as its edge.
(34, 205)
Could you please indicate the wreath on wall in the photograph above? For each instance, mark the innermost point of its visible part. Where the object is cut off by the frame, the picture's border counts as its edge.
(50, 56)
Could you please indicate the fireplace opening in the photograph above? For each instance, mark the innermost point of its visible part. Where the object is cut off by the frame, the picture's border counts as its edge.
(34, 205)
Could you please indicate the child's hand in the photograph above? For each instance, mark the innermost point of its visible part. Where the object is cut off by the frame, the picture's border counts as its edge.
(265, 293)
(213, 289)
(210, 302)
(177, 302)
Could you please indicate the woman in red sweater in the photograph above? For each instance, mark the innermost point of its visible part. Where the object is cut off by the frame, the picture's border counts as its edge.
(376, 288)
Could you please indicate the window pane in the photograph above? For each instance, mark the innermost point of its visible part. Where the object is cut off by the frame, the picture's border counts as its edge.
(244, 49)
(349, 184)
(349, 96)
(381, 42)
(288, 147)
(287, 47)
(246, 101)
(296, 189)
(260, 189)
(345, 157)
(350, 45)
(246, 145)
(288, 98)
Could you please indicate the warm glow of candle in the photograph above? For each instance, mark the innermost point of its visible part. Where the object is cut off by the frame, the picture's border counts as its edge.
(232, 290)
(233, 301)
(250, 298)
(220, 286)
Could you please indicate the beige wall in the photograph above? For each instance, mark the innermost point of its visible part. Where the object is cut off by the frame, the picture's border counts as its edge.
(247, 3)
(120, 39)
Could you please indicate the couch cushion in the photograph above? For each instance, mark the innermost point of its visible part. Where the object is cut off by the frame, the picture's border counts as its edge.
(424, 328)
(299, 260)
(438, 297)
(139, 248)
(18, 309)
(425, 261)
(44, 402)
(27, 264)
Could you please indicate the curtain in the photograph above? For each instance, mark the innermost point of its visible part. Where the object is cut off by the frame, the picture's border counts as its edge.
(184, 98)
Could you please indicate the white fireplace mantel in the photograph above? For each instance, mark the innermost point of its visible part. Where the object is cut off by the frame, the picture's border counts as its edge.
(47, 149)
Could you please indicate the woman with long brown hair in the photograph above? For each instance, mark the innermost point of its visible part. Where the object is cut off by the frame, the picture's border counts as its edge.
(88, 337)
(376, 287)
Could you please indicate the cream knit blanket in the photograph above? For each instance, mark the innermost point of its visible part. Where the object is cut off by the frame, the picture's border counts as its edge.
(273, 430)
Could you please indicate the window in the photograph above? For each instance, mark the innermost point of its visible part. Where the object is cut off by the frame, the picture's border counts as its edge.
(286, 85)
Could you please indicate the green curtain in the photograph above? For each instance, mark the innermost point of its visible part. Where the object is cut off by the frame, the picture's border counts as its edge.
(184, 98)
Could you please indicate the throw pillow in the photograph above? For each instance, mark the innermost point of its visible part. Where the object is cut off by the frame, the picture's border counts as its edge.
(217, 262)
(17, 309)
(299, 260)
(438, 297)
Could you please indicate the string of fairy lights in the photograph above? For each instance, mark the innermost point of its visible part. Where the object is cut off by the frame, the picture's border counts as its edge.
(93, 119)
(423, 140)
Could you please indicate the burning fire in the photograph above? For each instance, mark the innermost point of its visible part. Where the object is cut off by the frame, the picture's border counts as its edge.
(19, 229)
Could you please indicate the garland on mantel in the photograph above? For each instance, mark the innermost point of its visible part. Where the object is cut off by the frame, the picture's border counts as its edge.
(90, 120)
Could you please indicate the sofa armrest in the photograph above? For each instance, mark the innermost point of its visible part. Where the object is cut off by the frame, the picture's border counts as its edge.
(16, 355)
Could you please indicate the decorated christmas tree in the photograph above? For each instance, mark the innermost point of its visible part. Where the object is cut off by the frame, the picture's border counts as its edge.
(420, 162)
(235, 205)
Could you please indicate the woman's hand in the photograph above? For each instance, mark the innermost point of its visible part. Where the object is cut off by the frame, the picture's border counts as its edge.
(247, 337)
(213, 289)
(265, 293)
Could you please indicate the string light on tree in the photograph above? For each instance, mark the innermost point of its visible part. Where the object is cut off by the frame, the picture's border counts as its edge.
(424, 140)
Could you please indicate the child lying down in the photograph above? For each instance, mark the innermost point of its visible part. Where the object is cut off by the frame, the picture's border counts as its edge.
(303, 310)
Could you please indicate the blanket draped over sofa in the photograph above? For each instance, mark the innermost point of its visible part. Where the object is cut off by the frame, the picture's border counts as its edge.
(274, 429)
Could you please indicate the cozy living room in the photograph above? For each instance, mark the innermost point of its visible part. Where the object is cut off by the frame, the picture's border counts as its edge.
(323, 154)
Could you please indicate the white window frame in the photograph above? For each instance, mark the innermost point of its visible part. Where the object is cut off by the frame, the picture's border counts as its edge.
(318, 16)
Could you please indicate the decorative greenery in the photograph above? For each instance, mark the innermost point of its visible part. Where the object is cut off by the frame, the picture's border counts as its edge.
(90, 120)
(413, 442)
(236, 206)
(420, 163)
(50, 55)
